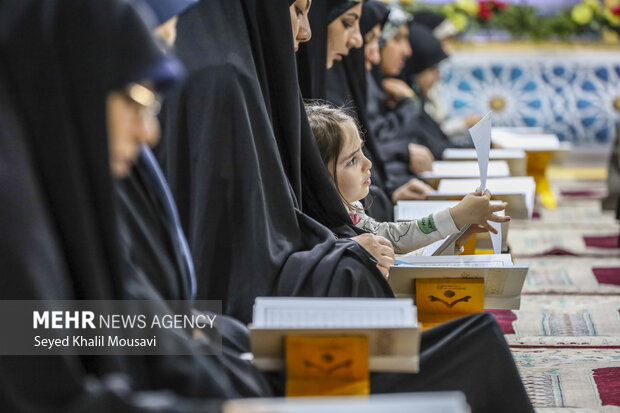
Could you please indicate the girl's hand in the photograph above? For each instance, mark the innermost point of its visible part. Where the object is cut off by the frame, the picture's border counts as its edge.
(380, 248)
(476, 209)
(474, 229)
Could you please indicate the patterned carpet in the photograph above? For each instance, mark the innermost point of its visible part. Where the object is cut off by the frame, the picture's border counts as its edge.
(566, 337)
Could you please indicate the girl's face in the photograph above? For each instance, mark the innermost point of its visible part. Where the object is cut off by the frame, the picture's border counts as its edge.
(372, 54)
(131, 121)
(395, 52)
(299, 21)
(343, 34)
(352, 167)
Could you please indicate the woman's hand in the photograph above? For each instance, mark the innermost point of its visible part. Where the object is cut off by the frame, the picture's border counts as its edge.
(471, 120)
(380, 248)
(420, 158)
(412, 190)
(395, 91)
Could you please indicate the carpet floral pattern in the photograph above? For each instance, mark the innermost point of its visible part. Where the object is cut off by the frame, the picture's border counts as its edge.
(565, 338)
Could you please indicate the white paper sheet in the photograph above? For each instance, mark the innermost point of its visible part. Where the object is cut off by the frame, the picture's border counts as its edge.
(430, 250)
(481, 135)
(480, 260)
(496, 239)
(289, 312)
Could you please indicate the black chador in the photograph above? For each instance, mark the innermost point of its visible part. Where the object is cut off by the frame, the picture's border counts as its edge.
(60, 235)
(235, 139)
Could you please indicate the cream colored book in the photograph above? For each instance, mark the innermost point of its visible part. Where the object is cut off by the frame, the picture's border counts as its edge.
(465, 169)
(531, 141)
(436, 402)
(391, 326)
(515, 158)
(503, 281)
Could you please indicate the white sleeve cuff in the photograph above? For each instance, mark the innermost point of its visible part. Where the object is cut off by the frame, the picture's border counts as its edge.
(444, 223)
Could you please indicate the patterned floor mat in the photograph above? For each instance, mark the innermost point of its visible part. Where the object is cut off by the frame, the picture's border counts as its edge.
(563, 321)
(571, 378)
(575, 241)
(569, 275)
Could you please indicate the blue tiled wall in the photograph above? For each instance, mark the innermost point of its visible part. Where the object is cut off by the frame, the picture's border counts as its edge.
(576, 96)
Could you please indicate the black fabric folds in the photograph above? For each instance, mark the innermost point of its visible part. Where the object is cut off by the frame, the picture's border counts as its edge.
(148, 240)
(235, 167)
(63, 58)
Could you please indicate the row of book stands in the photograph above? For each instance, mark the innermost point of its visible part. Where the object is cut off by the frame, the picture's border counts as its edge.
(329, 346)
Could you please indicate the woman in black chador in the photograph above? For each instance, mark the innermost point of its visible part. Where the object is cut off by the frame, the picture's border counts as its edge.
(74, 69)
(235, 166)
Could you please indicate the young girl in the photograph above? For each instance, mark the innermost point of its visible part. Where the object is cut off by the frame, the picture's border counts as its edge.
(340, 145)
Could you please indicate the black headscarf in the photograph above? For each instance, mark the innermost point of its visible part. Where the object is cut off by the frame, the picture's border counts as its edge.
(234, 164)
(441, 27)
(426, 52)
(312, 55)
(428, 18)
(373, 13)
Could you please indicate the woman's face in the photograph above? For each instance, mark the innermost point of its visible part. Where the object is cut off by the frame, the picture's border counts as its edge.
(343, 34)
(395, 52)
(299, 21)
(131, 121)
(427, 78)
(372, 54)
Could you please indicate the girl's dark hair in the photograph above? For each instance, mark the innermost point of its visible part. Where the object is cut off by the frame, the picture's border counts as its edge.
(326, 122)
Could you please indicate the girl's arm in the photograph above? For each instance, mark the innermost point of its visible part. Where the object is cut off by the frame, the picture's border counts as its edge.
(409, 235)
